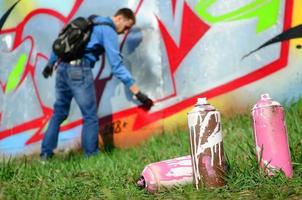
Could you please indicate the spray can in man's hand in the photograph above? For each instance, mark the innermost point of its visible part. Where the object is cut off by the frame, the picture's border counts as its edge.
(271, 136)
(208, 162)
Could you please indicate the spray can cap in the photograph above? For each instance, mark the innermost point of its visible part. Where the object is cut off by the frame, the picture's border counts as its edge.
(265, 101)
(265, 97)
(202, 105)
(202, 101)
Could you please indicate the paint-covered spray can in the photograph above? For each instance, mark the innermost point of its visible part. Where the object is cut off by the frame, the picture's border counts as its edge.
(271, 136)
(166, 174)
(208, 162)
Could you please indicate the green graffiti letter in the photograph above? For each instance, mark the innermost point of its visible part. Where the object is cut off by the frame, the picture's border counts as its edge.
(265, 10)
(16, 74)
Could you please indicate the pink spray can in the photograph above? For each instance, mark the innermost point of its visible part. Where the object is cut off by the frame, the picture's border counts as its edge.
(271, 137)
(166, 174)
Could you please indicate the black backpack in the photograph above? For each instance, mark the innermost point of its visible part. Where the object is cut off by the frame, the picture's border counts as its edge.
(72, 40)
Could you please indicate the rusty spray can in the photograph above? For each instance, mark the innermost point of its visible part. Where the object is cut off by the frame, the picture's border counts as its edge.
(271, 136)
(166, 174)
(208, 162)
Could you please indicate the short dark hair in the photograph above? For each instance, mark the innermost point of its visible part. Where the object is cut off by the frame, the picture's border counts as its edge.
(127, 13)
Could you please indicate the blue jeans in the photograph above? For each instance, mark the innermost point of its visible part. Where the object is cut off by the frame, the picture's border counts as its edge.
(74, 81)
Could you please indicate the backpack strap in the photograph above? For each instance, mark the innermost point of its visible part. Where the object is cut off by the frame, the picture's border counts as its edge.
(92, 17)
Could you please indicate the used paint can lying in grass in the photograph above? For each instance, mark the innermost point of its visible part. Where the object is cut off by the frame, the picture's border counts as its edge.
(166, 174)
(271, 136)
(208, 162)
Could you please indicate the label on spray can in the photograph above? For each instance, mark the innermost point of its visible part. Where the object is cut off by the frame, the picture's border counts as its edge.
(206, 144)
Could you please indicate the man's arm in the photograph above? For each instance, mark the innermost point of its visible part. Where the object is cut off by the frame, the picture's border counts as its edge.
(118, 69)
(48, 69)
(52, 59)
(111, 46)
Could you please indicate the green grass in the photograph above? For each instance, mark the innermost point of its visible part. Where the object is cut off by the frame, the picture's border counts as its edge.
(113, 175)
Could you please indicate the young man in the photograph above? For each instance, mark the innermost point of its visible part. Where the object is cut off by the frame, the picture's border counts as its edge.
(74, 79)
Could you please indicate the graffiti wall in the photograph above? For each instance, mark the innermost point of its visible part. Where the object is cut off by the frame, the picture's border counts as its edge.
(228, 51)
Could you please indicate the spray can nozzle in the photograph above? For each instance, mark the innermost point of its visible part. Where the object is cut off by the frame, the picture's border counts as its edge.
(201, 101)
(265, 96)
(141, 183)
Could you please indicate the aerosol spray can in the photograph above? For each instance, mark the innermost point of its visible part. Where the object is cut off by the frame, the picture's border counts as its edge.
(206, 144)
(271, 136)
(166, 174)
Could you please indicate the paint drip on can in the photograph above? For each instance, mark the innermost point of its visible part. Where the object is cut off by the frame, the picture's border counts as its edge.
(208, 162)
(166, 174)
(271, 136)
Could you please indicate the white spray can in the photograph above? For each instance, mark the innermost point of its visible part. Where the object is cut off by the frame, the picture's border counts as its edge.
(206, 144)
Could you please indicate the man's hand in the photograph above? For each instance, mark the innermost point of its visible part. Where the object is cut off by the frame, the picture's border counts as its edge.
(145, 100)
(47, 71)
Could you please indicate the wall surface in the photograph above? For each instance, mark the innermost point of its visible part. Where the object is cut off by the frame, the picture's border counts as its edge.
(178, 51)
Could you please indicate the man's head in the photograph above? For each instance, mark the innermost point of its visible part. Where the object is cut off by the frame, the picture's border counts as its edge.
(123, 20)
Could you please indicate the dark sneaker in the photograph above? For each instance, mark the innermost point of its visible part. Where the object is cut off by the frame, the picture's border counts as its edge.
(45, 156)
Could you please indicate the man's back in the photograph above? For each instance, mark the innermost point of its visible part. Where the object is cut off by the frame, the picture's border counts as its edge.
(103, 37)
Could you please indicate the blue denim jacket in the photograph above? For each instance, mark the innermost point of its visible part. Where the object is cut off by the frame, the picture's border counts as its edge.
(105, 36)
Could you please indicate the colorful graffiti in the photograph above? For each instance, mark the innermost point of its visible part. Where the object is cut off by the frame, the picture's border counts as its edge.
(178, 51)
